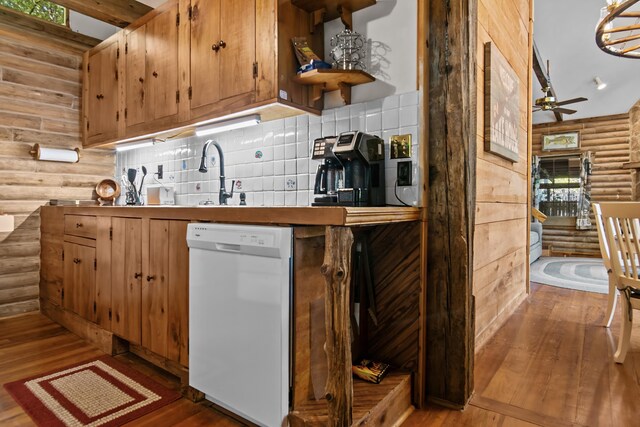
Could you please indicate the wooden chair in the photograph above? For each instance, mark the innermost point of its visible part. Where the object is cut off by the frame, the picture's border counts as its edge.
(604, 250)
(622, 230)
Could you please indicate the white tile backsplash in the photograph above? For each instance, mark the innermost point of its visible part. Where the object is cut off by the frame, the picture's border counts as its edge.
(272, 160)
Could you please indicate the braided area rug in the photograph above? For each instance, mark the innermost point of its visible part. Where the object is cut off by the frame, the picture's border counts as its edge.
(582, 274)
(100, 392)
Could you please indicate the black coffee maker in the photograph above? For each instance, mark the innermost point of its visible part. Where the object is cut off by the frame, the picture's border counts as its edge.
(325, 188)
(362, 159)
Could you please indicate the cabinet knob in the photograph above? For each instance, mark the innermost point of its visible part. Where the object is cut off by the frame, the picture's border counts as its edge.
(137, 275)
(222, 44)
(215, 47)
(141, 80)
(150, 278)
(78, 224)
(155, 74)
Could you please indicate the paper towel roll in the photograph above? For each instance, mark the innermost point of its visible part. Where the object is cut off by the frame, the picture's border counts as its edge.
(57, 154)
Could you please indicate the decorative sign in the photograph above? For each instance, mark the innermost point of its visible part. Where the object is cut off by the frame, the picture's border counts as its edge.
(501, 105)
(561, 141)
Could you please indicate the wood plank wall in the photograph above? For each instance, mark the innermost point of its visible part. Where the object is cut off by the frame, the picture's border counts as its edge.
(608, 139)
(634, 147)
(500, 242)
(40, 85)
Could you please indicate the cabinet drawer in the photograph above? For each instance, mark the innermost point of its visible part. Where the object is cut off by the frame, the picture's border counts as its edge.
(80, 225)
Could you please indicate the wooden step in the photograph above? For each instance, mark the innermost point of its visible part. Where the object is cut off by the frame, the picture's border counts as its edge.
(381, 405)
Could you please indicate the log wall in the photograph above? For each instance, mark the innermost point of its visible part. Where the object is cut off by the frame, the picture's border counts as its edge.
(40, 82)
(634, 148)
(607, 138)
(501, 235)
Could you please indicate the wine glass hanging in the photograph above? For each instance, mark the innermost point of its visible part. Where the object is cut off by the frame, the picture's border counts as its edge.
(348, 50)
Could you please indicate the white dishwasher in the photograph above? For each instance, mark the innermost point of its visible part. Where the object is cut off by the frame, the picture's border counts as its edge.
(239, 317)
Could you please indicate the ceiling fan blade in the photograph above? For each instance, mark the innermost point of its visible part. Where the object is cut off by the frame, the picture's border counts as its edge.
(564, 110)
(537, 109)
(571, 101)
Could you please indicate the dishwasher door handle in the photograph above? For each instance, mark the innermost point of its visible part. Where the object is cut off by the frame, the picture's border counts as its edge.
(227, 247)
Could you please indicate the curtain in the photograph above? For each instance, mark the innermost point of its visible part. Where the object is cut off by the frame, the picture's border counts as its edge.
(583, 220)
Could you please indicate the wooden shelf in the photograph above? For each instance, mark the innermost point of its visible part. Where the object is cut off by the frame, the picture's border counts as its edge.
(385, 404)
(631, 165)
(332, 6)
(330, 80)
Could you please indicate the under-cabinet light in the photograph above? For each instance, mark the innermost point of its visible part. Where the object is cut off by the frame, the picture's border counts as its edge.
(223, 126)
(134, 145)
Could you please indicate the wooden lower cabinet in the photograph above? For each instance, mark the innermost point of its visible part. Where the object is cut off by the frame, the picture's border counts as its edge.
(150, 285)
(86, 271)
(165, 301)
(79, 279)
(126, 278)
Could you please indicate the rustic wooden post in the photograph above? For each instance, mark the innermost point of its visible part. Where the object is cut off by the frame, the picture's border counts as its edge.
(451, 206)
(337, 275)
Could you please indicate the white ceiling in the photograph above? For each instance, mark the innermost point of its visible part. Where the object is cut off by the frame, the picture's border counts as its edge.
(564, 31)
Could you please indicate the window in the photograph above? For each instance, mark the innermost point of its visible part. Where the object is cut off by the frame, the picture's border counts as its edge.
(39, 8)
(559, 188)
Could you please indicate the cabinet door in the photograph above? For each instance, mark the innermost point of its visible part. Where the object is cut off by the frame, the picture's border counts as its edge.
(135, 76)
(205, 33)
(79, 279)
(102, 306)
(223, 51)
(238, 32)
(162, 65)
(165, 295)
(102, 111)
(154, 290)
(126, 278)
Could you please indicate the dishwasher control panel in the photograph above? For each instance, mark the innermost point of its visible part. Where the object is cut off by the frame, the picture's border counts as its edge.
(257, 240)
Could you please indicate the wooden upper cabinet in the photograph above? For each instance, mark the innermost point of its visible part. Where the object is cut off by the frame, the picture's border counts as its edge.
(152, 83)
(135, 75)
(188, 61)
(162, 65)
(101, 92)
(222, 54)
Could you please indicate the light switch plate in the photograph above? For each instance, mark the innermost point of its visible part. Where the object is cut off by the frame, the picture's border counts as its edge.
(401, 146)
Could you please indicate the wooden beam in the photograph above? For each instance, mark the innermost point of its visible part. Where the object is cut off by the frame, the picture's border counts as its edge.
(543, 77)
(452, 200)
(115, 12)
(13, 18)
(423, 86)
(337, 275)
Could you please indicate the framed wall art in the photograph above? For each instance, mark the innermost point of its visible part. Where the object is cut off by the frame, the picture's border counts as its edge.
(501, 105)
(561, 141)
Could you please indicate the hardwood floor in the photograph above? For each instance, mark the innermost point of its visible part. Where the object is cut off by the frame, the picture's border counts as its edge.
(550, 365)
(32, 344)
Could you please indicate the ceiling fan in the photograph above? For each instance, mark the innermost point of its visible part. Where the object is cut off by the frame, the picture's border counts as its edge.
(549, 102)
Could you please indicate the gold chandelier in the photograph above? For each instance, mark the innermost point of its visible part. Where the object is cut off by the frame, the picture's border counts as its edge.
(618, 31)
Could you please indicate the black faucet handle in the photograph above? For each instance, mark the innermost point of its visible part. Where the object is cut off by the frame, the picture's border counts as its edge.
(233, 184)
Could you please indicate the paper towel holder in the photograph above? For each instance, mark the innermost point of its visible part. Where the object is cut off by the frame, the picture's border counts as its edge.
(49, 154)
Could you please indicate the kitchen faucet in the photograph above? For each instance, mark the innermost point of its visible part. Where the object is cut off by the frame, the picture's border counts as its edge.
(203, 168)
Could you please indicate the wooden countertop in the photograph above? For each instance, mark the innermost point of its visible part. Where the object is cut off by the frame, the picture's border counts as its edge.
(316, 215)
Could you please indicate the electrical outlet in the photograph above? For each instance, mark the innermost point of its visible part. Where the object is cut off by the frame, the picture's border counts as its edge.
(404, 173)
(401, 146)
(159, 171)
